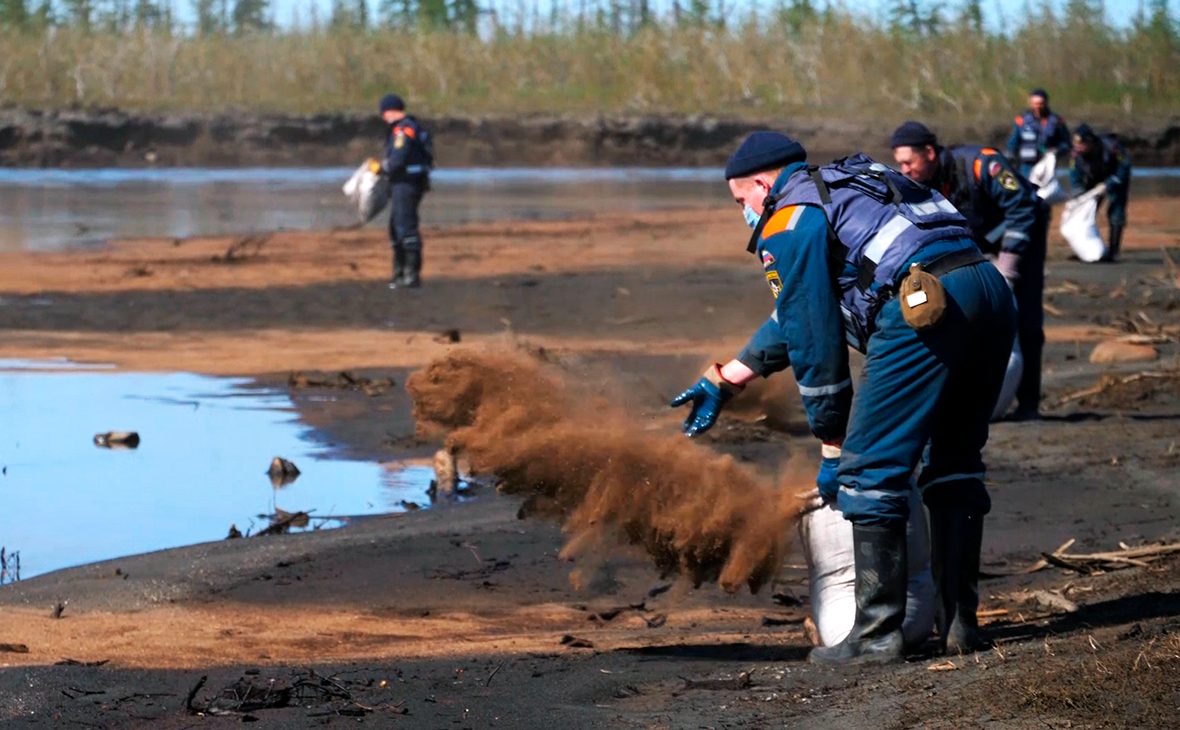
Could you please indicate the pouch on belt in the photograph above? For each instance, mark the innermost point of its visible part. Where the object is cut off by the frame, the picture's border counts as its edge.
(923, 300)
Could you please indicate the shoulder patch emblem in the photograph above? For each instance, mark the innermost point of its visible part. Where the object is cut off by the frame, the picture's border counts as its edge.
(399, 141)
(767, 259)
(1008, 181)
(994, 168)
(783, 220)
(776, 284)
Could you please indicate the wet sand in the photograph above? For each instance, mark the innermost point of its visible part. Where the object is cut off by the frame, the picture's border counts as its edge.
(461, 610)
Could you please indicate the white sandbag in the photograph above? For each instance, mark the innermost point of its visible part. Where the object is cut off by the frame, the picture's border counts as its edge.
(827, 544)
(1079, 227)
(368, 191)
(1012, 378)
(1044, 176)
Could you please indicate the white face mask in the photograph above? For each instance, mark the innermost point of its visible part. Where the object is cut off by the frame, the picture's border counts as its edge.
(752, 218)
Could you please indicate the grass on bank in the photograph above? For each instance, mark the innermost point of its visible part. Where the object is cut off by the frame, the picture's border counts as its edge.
(829, 64)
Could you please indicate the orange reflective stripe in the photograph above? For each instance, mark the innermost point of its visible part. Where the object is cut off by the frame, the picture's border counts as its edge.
(783, 220)
(988, 151)
(978, 168)
(408, 131)
(1019, 121)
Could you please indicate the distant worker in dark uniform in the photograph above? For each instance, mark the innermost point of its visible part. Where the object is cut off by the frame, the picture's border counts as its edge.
(409, 158)
(1006, 218)
(1097, 160)
(1036, 132)
(842, 248)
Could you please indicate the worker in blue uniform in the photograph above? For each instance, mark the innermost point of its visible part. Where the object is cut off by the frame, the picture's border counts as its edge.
(1098, 160)
(837, 244)
(1006, 218)
(1037, 131)
(408, 160)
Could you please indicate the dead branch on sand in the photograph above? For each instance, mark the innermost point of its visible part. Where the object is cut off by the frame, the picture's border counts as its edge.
(1106, 382)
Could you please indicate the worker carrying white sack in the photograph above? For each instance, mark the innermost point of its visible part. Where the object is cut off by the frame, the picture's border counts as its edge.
(1079, 225)
(368, 191)
(831, 567)
(1044, 176)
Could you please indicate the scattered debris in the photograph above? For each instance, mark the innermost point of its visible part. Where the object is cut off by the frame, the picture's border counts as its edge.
(1048, 599)
(812, 632)
(742, 681)
(786, 598)
(117, 440)
(282, 472)
(946, 666)
(138, 271)
(658, 590)
(446, 474)
(1108, 381)
(243, 248)
(655, 622)
(234, 532)
(58, 609)
(343, 380)
(489, 679)
(782, 620)
(308, 690)
(572, 642)
(14, 649)
(1119, 350)
(448, 337)
(1102, 562)
(282, 521)
(67, 662)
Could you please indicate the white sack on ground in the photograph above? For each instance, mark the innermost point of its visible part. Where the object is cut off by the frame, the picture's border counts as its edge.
(1044, 176)
(1079, 226)
(1012, 378)
(831, 568)
(368, 191)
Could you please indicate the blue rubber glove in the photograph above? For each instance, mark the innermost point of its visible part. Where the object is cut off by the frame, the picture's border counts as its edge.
(707, 397)
(826, 478)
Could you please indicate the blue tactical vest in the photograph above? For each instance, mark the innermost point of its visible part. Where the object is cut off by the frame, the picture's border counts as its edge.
(1033, 136)
(878, 220)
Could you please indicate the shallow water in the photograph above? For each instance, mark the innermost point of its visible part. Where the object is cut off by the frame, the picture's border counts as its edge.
(56, 209)
(200, 466)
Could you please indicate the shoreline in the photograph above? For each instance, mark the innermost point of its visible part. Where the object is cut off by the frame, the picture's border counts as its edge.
(112, 138)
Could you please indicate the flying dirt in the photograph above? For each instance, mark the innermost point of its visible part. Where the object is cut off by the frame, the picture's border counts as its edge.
(582, 462)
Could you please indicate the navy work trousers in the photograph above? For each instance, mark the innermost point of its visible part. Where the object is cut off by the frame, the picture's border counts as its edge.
(405, 196)
(937, 387)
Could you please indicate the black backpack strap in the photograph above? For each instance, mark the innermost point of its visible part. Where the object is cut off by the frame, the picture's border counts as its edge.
(825, 197)
(769, 206)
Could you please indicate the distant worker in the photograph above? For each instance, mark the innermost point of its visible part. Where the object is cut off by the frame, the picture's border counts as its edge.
(1037, 131)
(409, 158)
(1006, 218)
(1097, 160)
(838, 246)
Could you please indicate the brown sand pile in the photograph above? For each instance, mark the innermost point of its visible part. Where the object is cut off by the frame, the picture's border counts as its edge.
(580, 460)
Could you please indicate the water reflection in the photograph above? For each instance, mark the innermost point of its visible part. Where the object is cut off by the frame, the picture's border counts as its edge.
(201, 465)
(56, 209)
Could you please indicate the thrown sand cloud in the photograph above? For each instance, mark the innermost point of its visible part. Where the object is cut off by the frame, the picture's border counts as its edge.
(583, 462)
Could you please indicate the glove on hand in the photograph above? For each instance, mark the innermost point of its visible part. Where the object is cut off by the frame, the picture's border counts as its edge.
(1009, 265)
(707, 397)
(374, 166)
(826, 478)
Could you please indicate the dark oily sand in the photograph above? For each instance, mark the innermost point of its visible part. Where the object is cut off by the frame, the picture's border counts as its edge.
(1099, 473)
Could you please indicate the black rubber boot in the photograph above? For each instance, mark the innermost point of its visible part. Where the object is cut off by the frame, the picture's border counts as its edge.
(956, 537)
(881, 579)
(413, 274)
(1116, 242)
(399, 267)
